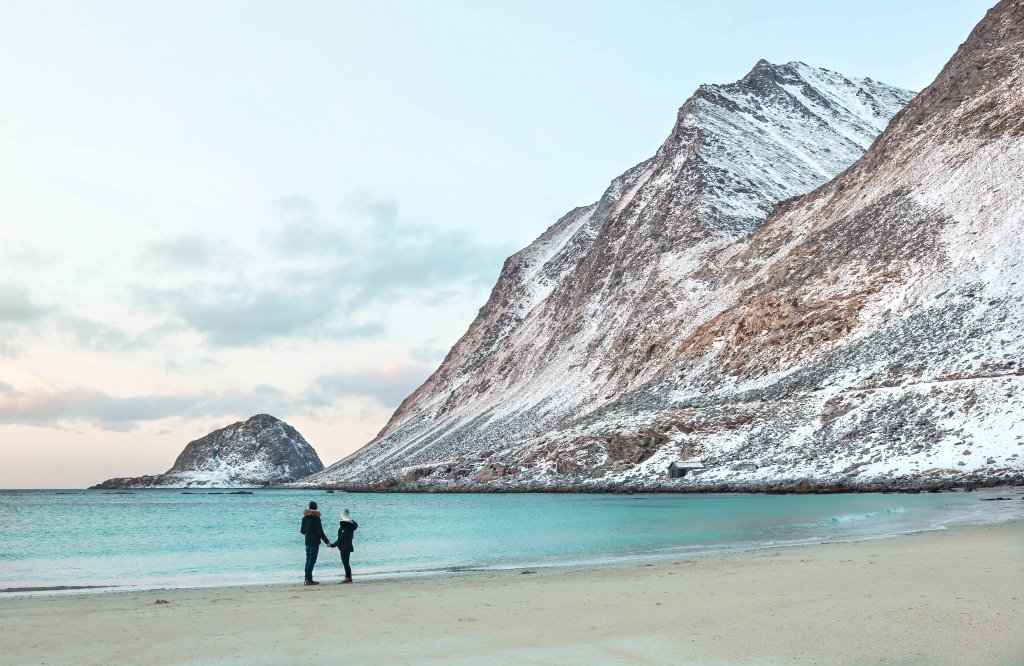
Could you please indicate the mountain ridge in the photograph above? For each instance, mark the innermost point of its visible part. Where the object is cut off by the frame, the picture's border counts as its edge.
(563, 271)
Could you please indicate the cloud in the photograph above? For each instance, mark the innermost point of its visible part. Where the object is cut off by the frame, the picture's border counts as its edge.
(355, 331)
(429, 352)
(8, 391)
(399, 257)
(83, 404)
(388, 385)
(302, 234)
(117, 413)
(20, 316)
(16, 306)
(10, 344)
(100, 336)
(239, 314)
(409, 261)
(318, 277)
(187, 252)
(26, 257)
(376, 255)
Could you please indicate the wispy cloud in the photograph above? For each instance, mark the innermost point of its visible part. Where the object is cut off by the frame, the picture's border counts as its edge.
(386, 385)
(117, 413)
(8, 391)
(303, 234)
(403, 258)
(430, 352)
(337, 276)
(389, 385)
(181, 253)
(21, 317)
(239, 313)
(101, 336)
(315, 276)
(22, 256)
(318, 276)
(16, 305)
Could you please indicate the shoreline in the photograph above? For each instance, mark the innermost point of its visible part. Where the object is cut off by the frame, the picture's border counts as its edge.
(945, 596)
(597, 560)
(63, 591)
(692, 485)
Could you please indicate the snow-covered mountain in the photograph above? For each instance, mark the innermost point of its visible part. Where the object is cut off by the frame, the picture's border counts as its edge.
(587, 311)
(260, 451)
(867, 334)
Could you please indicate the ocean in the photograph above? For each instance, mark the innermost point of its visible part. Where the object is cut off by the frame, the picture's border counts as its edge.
(51, 539)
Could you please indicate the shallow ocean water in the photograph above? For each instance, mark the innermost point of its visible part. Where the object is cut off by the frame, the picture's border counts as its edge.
(158, 538)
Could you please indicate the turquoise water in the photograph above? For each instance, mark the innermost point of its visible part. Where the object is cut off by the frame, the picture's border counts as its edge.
(166, 538)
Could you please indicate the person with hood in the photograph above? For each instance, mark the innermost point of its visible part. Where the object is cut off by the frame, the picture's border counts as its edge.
(314, 531)
(346, 530)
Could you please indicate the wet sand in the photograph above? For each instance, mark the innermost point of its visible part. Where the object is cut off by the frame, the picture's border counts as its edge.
(951, 597)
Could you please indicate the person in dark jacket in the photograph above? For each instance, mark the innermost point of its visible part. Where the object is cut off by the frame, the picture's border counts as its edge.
(346, 530)
(314, 531)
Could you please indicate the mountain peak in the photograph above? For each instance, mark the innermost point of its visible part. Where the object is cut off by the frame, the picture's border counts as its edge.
(779, 131)
(762, 70)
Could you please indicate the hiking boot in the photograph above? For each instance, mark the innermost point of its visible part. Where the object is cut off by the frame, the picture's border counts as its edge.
(311, 582)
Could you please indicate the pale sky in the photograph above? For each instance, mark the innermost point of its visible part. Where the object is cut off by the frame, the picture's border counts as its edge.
(213, 209)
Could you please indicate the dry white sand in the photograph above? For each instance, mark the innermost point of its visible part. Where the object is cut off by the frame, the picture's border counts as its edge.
(952, 597)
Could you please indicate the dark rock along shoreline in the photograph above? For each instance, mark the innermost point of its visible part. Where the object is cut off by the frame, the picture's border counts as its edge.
(776, 487)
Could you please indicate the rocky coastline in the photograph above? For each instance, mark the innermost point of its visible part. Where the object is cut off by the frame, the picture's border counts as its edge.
(796, 486)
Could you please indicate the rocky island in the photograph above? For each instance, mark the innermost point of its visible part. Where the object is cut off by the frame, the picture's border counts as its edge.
(260, 451)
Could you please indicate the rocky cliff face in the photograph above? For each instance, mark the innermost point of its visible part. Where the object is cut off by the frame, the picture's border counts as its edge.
(588, 310)
(260, 451)
(866, 334)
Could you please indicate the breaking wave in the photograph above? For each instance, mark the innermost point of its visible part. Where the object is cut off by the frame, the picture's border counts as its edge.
(849, 518)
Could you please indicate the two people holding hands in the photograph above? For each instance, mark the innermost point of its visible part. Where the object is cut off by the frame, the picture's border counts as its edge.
(313, 530)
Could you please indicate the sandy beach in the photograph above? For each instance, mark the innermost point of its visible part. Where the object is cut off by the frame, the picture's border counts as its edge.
(950, 597)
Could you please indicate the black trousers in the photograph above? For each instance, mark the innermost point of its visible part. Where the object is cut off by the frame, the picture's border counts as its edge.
(344, 560)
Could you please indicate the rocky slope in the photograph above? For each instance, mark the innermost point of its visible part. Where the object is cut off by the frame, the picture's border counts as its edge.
(588, 310)
(868, 334)
(260, 451)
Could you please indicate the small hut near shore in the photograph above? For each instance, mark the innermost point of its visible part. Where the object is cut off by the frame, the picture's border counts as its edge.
(678, 468)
